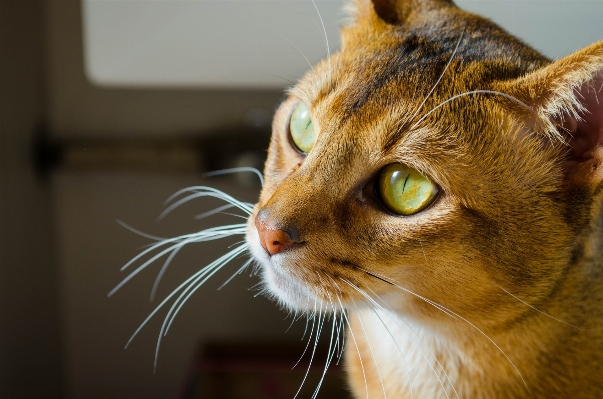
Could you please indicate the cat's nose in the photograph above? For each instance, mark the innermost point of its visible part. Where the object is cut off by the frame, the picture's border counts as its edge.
(273, 239)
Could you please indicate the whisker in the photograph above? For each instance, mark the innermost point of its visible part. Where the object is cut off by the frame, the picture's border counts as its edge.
(327, 362)
(539, 311)
(139, 232)
(213, 211)
(420, 339)
(307, 345)
(212, 233)
(326, 39)
(205, 235)
(175, 291)
(278, 76)
(496, 93)
(357, 349)
(389, 332)
(238, 170)
(440, 78)
(451, 314)
(318, 331)
(238, 272)
(202, 191)
(182, 299)
(162, 271)
(193, 286)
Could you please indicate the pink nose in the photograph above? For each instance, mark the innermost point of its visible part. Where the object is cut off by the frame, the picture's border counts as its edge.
(273, 239)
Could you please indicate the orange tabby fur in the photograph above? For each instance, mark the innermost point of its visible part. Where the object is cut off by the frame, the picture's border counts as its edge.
(501, 278)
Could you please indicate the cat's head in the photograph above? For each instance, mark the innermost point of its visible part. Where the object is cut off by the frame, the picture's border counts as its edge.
(433, 159)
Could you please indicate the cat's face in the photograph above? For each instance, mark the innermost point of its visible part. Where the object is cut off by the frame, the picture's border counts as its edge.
(425, 94)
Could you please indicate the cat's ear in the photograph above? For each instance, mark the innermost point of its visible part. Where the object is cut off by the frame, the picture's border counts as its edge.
(565, 100)
(398, 11)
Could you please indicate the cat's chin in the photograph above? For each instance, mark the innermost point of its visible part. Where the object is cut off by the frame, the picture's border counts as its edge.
(280, 286)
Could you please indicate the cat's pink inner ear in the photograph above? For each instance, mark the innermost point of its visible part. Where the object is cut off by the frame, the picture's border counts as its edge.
(584, 164)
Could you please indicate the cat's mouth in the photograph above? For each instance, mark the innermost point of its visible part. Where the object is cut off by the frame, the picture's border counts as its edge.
(287, 289)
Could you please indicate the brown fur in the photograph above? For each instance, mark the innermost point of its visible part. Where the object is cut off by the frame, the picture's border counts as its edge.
(500, 279)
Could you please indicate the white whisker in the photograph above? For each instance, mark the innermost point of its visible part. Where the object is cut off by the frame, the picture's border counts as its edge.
(420, 339)
(327, 362)
(389, 332)
(539, 311)
(206, 273)
(202, 191)
(238, 272)
(162, 271)
(326, 39)
(318, 331)
(238, 170)
(451, 314)
(309, 338)
(139, 232)
(174, 292)
(373, 355)
(213, 211)
(213, 233)
(496, 93)
(195, 285)
(357, 349)
(440, 78)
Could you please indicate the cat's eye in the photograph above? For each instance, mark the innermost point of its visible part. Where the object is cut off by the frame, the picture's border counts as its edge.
(301, 128)
(404, 190)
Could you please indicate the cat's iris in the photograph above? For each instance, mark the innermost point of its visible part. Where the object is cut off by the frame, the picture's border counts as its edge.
(301, 128)
(404, 190)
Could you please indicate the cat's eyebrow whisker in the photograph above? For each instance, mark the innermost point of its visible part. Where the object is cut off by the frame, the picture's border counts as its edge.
(440, 78)
(240, 169)
(496, 93)
(295, 47)
(538, 310)
(326, 39)
(450, 313)
(356, 345)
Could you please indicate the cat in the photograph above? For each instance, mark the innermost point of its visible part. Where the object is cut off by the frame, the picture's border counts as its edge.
(435, 187)
(436, 184)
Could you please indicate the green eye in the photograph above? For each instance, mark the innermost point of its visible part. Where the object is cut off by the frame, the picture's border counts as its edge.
(406, 191)
(302, 129)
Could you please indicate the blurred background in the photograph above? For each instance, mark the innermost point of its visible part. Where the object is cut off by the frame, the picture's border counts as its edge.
(109, 107)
